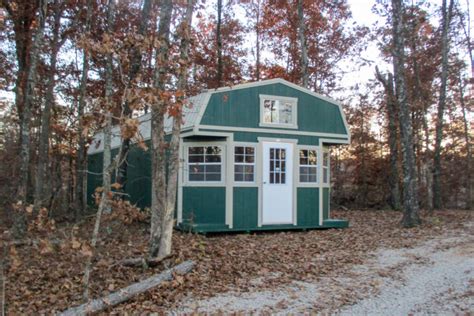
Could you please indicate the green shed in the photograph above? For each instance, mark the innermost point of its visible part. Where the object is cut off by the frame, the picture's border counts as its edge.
(254, 156)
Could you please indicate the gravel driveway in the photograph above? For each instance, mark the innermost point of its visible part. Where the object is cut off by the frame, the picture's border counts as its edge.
(435, 277)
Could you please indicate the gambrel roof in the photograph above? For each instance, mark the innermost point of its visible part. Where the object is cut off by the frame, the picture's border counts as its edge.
(197, 105)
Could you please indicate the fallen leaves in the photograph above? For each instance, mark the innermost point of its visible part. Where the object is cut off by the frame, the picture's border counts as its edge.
(45, 279)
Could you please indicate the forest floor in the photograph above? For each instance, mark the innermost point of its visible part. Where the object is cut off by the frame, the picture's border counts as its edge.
(373, 265)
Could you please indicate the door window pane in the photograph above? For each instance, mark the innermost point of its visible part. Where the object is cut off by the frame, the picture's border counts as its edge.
(277, 165)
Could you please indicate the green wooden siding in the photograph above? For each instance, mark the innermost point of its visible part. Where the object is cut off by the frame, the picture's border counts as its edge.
(138, 185)
(94, 176)
(241, 108)
(245, 208)
(325, 203)
(204, 205)
(307, 206)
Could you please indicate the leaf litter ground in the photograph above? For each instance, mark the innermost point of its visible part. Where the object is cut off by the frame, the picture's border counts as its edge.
(45, 276)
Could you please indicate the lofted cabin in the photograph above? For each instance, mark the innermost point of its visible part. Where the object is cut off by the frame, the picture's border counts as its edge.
(254, 156)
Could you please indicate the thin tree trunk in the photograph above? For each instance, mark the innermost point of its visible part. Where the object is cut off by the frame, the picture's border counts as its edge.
(43, 148)
(391, 100)
(104, 203)
(220, 65)
(447, 13)
(80, 194)
(467, 138)
(129, 292)
(29, 95)
(158, 110)
(107, 156)
(425, 171)
(410, 199)
(127, 111)
(172, 185)
(257, 32)
(304, 49)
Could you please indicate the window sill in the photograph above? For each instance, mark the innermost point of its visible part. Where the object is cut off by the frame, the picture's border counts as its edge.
(204, 184)
(285, 126)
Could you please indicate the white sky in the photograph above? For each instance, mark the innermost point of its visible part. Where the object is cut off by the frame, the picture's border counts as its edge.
(362, 14)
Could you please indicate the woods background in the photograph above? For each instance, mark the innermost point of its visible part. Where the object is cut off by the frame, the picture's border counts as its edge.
(72, 68)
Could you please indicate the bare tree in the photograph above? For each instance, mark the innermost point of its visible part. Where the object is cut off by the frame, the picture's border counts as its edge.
(466, 25)
(108, 166)
(303, 44)
(158, 110)
(467, 138)
(43, 148)
(80, 190)
(410, 197)
(107, 156)
(28, 41)
(220, 64)
(445, 22)
(391, 103)
(254, 11)
(27, 56)
(173, 165)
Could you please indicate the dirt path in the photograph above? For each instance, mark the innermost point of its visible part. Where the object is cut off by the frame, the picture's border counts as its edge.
(436, 276)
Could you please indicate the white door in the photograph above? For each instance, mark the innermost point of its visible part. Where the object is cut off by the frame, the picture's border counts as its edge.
(277, 184)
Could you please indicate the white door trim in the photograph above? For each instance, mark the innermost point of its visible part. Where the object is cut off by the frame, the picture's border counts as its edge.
(277, 216)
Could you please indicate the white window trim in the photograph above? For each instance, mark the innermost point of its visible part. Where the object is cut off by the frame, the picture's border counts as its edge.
(294, 114)
(328, 167)
(316, 184)
(254, 164)
(223, 164)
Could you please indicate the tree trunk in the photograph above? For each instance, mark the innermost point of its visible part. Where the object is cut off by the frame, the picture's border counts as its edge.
(257, 33)
(391, 100)
(104, 205)
(447, 13)
(133, 72)
(467, 138)
(107, 156)
(158, 110)
(29, 95)
(220, 65)
(130, 291)
(172, 185)
(410, 199)
(43, 149)
(81, 166)
(304, 49)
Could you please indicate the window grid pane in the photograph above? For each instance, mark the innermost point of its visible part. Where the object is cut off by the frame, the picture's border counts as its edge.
(244, 162)
(308, 166)
(205, 163)
(277, 165)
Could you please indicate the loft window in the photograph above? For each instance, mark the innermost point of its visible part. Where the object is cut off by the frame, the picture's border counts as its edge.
(276, 111)
(308, 166)
(244, 164)
(205, 164)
